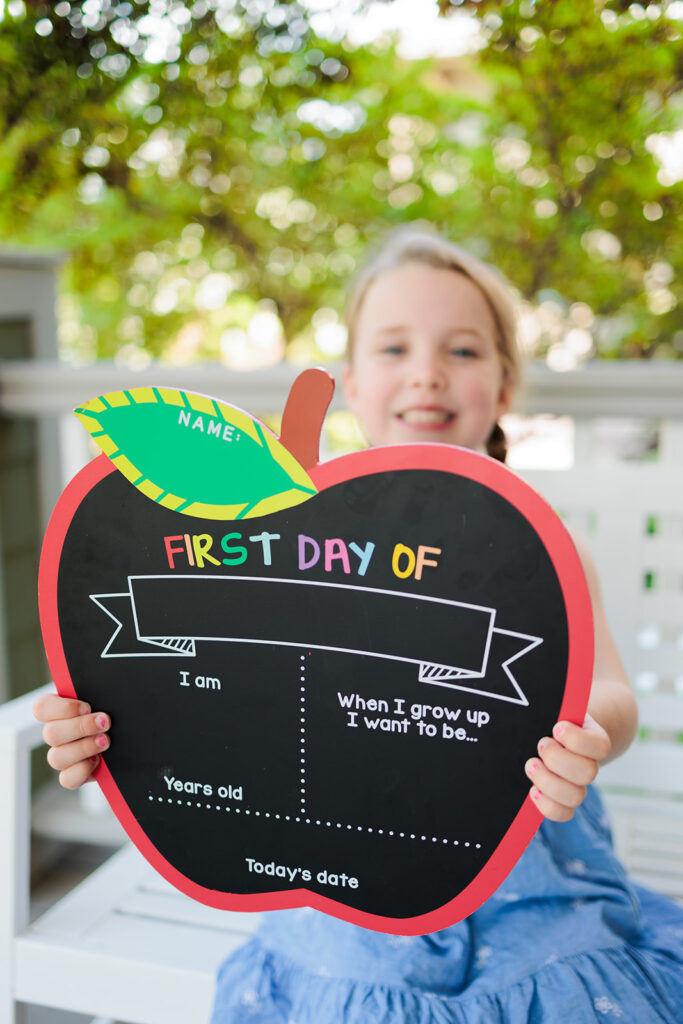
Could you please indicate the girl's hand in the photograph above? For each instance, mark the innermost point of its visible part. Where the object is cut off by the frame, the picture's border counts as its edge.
(75, 736)
(566, 764)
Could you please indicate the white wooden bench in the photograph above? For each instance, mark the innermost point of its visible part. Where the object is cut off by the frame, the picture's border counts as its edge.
(124, 945)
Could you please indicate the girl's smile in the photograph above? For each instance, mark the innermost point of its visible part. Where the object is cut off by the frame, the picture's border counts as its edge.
(425, 364)
(427, 417)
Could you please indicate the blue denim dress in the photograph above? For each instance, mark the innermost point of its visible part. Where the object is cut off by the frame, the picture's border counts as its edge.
(565, 937)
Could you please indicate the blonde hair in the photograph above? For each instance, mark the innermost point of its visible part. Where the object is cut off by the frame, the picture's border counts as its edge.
(413, 245)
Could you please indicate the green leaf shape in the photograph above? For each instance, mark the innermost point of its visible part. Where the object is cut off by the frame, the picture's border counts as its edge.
(194, 454)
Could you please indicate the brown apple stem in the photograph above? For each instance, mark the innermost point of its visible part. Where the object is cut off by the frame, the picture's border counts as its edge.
(302, 420)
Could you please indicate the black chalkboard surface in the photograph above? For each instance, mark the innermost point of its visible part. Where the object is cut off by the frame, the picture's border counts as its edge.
(330, 704)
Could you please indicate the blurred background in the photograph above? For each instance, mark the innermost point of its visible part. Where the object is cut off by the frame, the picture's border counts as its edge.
(215, 169)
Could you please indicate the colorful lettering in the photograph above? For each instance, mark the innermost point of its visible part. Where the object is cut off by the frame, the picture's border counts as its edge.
(304, 543)
(421, 560)
(237, 552)
(265, 539)
(201, 542)
(335, 550)
(364, 554)
(171, 550)
(399, 550)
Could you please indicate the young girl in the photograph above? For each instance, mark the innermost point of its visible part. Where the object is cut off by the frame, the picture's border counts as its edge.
(432, 357)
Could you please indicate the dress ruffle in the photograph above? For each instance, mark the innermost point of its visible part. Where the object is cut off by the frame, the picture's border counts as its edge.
(257, 986)
(566, 937)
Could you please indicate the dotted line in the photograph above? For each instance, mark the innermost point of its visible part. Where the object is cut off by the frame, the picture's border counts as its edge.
(302, 749)
(299, 819)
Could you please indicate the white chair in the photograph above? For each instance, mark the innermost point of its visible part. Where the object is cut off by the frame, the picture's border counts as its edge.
(124, 945)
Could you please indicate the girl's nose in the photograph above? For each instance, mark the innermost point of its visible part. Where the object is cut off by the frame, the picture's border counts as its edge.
(427, 372)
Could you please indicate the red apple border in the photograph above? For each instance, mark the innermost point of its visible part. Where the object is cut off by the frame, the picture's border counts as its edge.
(445, 458)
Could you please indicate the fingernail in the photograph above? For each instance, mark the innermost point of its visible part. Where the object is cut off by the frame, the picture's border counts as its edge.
(101, 722)
(559, 729)
(95, 758)
(542, 745)
(535, 793)
(102, 741)
(532, 768)
(84, 709)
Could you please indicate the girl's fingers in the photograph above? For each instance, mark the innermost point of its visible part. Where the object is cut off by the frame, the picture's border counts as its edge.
(68, 730)
(589, 739)
(50, 707)
(567, 762)
(75, 735)
(69, 754)
(550, 808)
(567, 765)
(78, 774)
(560, 795)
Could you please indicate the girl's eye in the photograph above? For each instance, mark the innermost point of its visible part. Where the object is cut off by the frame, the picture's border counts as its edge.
(395, 349)
(463, 352)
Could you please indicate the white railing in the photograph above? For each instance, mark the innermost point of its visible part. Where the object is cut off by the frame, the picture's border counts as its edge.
(627, 388)
(616, 391)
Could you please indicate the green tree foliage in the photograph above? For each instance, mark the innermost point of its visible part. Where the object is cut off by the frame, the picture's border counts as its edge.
(199, 158)
(592, 89)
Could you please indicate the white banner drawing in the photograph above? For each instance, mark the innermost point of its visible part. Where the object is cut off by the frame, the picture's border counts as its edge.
(166, 616)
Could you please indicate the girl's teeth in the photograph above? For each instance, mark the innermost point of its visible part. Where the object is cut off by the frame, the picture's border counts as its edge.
(426, 416)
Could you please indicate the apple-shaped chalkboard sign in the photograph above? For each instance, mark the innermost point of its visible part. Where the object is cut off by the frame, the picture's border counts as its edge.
(323, 680)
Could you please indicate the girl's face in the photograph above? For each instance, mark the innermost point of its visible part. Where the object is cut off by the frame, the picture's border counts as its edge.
(425, 364)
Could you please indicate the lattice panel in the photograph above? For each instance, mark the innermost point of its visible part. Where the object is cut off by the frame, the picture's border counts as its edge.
(631, 517)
